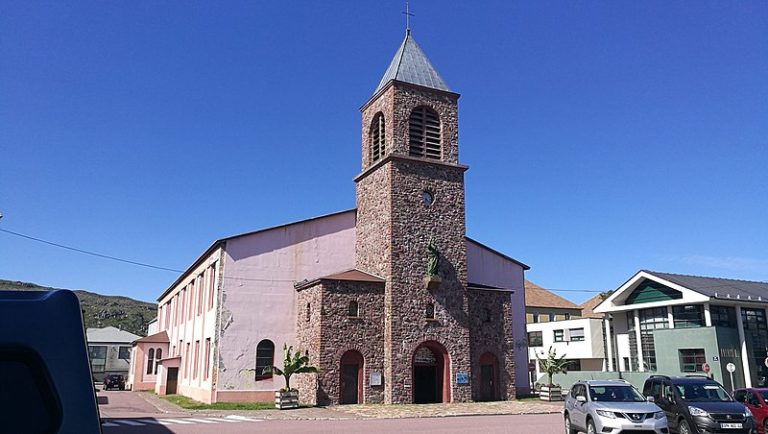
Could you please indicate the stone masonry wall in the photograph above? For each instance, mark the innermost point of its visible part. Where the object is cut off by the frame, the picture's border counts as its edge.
(491, 331)
(413, 224)
(342, 333)
(308, 338)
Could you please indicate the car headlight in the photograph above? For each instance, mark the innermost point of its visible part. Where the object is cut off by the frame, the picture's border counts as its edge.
(604, 413)
(747, 413)
(659, 415)
(696, 411)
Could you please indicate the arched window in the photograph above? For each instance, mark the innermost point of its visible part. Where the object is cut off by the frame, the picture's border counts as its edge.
(353, 309)
(424, 133)
(150, 361)
(377, 137)
(265, 355)
(158, 356)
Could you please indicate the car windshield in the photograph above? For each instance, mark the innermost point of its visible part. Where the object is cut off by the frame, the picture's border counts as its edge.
(703, 392)
(615, 394)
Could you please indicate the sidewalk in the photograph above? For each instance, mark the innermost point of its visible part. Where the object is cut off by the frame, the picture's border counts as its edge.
(373, 411)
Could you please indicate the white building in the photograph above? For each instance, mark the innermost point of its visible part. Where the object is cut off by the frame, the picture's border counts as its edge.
(580, 340)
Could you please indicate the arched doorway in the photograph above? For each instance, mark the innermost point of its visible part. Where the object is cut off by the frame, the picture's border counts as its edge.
(489, 377)
(431, 374)
(351, 381)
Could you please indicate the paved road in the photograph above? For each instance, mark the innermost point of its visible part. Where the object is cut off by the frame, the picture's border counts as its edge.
(129, 413)
(522, 424)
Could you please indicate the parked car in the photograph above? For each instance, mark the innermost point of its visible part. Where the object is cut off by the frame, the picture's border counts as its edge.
(610, 406)
(698, 405)
(756, 400)
(116, 381)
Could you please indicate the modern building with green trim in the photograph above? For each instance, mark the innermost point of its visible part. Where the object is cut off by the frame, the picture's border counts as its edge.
(677, 324)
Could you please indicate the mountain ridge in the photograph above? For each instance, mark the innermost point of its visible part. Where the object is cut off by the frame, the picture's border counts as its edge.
(100, 310)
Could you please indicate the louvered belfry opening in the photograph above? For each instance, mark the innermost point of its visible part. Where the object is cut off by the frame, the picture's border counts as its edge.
(377, 137)
(424, 133)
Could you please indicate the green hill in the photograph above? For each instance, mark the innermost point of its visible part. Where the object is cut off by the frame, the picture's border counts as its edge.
(102, 310)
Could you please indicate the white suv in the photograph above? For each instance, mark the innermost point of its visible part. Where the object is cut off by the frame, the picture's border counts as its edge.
(611, 406)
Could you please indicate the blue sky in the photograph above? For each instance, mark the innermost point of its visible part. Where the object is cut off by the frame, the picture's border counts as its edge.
(602, 137)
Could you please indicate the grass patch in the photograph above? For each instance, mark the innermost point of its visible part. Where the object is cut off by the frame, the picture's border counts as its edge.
(191, 404)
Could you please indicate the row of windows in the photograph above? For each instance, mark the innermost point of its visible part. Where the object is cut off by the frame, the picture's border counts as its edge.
(153, 360)
(689, 316)
(191, 299)
(424, 136)
(535, 339)
(97, 354)
(193, 357)
(537, 317)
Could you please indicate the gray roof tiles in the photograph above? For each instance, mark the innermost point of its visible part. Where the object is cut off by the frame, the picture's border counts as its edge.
(110, 335)
(726, 289)
(410, 65)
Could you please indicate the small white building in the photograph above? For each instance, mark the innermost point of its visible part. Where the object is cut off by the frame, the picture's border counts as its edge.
(580, 340)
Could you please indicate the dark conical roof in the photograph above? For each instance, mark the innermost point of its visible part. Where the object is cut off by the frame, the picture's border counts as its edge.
(410, 65)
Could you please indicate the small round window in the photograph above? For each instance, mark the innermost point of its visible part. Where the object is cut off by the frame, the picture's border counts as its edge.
(427, 198)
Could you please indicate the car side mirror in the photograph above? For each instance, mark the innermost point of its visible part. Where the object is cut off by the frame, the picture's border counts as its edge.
(650, 399)
(581, 398)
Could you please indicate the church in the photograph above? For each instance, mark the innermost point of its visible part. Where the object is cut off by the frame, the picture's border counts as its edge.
(391, 300)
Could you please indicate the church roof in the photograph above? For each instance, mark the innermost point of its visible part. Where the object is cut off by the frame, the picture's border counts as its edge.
(157, 338)
(410, 65)
(351, 275)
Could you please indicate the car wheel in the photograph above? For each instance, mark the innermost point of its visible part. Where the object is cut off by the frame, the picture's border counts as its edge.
(590, 427)
(568, 428)
(685, 428)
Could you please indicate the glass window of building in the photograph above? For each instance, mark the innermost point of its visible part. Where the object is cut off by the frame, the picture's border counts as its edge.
(723, 316)
(576, 335)
(559, 336)
(688, 316)
(535, 339)
(692, 360)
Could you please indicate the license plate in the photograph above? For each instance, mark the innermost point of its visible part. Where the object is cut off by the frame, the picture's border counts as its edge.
(730, 425)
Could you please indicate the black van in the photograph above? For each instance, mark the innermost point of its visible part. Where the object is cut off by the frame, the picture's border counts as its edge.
(698, 405)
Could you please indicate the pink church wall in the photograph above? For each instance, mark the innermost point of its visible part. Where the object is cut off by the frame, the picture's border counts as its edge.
(487, 267)
(259, 296)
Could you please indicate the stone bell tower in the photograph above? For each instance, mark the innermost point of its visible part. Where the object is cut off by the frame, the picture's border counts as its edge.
(411, 192)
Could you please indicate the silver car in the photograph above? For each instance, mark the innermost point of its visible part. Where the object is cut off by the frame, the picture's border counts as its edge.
(611, 407)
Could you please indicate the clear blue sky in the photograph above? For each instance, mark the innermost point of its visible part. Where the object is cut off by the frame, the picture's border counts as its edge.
(602, 137)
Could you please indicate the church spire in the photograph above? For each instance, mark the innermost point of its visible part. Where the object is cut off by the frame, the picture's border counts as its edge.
(410, 65)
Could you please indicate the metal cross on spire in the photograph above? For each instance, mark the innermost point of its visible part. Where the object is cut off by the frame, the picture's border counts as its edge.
(408, 16)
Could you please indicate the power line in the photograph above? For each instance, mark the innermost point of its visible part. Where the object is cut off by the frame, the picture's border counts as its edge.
(86, 252)
(252, 279)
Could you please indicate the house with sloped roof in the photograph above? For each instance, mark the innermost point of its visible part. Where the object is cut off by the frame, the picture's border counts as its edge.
(556, 323)
(542, 305)
(677, 324)
(109, 350)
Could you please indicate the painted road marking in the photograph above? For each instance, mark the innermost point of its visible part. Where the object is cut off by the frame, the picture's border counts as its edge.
(181, 421)
(202, 420)
(129, 422)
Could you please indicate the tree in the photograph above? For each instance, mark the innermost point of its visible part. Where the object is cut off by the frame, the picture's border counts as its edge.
(553, 365)
(294, 363)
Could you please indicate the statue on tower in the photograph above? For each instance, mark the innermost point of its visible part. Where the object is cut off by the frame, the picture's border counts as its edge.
(433, 258)
(432, 280)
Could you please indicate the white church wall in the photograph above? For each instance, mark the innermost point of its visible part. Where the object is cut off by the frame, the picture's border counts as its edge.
(259, 296)
(484, 266)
